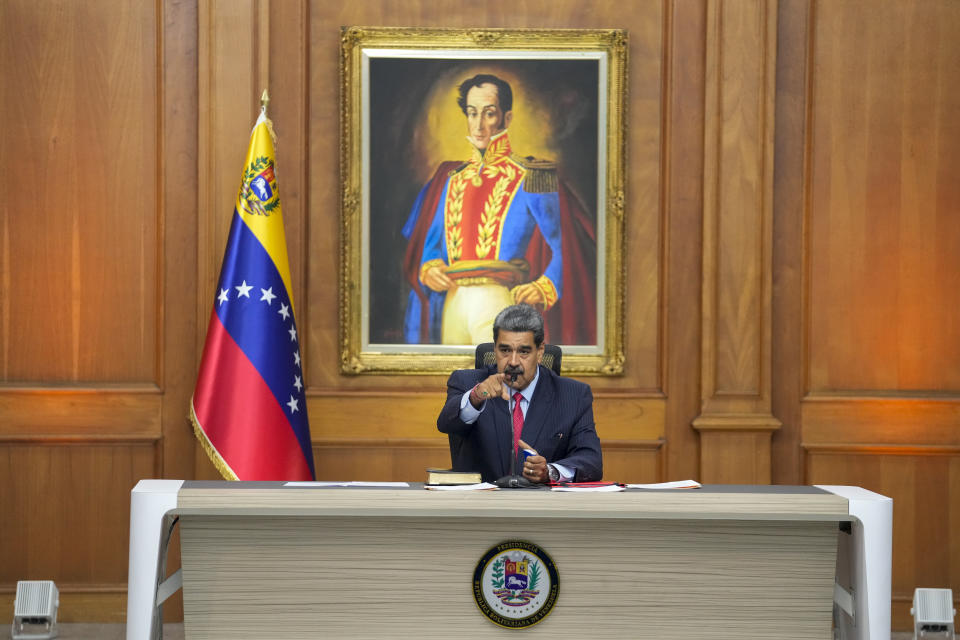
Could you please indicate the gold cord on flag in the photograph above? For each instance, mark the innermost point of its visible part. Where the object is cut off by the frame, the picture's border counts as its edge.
(264, 101)
(211, 452)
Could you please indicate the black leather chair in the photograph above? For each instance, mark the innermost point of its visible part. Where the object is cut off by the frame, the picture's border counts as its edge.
(552, 355)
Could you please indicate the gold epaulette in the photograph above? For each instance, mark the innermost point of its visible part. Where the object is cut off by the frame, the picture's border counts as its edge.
(541, 174)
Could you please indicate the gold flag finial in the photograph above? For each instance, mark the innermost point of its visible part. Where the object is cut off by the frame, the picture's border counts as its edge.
(264, 101)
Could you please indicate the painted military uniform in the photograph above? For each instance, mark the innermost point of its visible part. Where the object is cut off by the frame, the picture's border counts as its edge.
(489, 209)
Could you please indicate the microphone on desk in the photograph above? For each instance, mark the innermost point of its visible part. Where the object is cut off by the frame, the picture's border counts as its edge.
(514, 480)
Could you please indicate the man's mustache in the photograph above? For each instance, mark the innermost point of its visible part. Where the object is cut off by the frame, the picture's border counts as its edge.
(513, 372)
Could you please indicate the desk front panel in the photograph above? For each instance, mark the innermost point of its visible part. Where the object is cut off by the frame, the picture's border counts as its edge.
(256, 576)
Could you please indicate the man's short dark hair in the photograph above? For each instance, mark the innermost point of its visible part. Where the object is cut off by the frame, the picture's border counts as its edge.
(504, 93)
(520, 318)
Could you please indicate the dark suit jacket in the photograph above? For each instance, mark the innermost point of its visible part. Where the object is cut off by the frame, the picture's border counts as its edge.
(559, 425)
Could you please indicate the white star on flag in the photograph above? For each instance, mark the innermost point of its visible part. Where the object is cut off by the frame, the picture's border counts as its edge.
(297, 383)
(243, 290)
(293, 333)
(284, 311)
(223, 296)
(267, 295)
(296, 357)
(292, 404)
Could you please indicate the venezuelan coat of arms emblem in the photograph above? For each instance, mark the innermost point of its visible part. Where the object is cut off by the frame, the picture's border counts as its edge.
(258, 190)
(516, 584)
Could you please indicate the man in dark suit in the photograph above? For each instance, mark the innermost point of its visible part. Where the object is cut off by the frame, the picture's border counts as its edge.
(555, 414)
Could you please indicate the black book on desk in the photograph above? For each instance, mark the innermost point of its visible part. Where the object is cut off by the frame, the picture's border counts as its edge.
(447, 477)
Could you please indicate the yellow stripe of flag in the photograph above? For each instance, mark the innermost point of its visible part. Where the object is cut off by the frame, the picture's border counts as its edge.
(265, 220)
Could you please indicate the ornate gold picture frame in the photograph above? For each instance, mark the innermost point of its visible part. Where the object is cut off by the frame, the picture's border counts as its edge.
(478, 168)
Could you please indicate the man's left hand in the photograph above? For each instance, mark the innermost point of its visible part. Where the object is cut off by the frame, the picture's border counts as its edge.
(535, 466)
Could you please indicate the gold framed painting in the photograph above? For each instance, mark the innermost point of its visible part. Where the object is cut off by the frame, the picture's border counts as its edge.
(480, 168)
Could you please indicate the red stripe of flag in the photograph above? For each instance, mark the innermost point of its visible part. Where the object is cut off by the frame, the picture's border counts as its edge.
(241, 417)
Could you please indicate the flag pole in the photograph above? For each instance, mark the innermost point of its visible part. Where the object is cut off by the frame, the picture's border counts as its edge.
(264, 101)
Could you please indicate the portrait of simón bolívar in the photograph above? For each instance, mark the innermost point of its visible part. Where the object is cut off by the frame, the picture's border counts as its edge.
(507, 212)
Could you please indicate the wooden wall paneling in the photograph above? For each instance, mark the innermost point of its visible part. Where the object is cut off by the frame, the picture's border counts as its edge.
(632, 433)
(288, 46)
(953, 524)
(104, 304)
(787, 343)
(377, 420)
(908, 449)
(645, 211)
(394, 459)
(400, 459)
(925, 487)
(79, 267)
(179, 181)
(53, 414)
(733, 456)
(737, 242)
(179, 214)
(880, 367)
(233, 69)
(880, 421)
(67, 506)
(377, 414)
(228, 102)
(322, 192)
(682, 160)
(634, 460)
(80, 302)
(884, 312)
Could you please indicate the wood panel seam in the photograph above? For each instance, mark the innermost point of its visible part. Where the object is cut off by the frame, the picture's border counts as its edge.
(881, 449)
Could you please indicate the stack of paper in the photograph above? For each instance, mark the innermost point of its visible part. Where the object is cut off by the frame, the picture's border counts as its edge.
(480, 486)
(599, 488)
(354, 483)
(676, 484)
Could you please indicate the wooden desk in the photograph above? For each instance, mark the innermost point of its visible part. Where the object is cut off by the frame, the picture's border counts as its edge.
(265, 560)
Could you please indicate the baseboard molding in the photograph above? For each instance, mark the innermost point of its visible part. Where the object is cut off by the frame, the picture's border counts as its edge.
(81, 603)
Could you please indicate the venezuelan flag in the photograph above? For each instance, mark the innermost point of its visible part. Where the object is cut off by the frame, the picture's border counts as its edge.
(249, 410)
